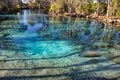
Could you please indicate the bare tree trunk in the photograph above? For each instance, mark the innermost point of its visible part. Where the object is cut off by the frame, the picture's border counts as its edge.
(98, 6)
(70, 6)
(108, 9)
(81, 6)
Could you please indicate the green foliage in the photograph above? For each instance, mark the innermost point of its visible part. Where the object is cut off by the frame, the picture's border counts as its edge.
(2, 5)
(62, 6)
(118, 13)
(87, 8)
(58, 6)
(94, 7)
(5, 5)
(103, 8)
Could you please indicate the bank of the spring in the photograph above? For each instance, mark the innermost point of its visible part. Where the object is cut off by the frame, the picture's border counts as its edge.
(102, 18)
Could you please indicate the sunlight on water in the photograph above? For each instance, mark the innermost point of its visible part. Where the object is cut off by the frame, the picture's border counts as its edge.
(54, 44)
(40, 35)
(48, 48)
(33, 41)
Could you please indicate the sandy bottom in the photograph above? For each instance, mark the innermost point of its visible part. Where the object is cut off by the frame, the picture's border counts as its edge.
(71, 67)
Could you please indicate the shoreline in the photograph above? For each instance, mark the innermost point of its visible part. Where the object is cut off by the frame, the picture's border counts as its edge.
(104, 19)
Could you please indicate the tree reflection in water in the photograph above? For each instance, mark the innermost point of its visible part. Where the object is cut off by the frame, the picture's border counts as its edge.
(74, 32)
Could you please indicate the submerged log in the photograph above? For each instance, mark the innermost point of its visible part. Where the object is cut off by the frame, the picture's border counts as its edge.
(91, 54)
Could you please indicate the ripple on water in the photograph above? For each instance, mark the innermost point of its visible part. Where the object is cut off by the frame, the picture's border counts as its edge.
(42, 47)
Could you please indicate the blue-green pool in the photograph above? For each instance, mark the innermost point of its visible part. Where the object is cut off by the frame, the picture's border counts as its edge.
(34, 42)
(48, 36)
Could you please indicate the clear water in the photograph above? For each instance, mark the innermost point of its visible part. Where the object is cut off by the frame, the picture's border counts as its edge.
(35, 45)
(39, 35)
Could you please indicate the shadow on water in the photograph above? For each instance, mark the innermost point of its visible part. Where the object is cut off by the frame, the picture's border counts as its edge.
(72, 75)
(41, 58)
(54, 76)
(89, 62)
(85, 31)
(82, 31)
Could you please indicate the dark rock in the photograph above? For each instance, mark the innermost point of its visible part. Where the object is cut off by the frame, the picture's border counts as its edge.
(75, 15)
(81, 15)
(67, 14)
(1, 18)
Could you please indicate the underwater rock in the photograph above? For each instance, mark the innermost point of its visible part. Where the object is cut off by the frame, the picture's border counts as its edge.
(100, 44)
(117, 47)
(91, 54)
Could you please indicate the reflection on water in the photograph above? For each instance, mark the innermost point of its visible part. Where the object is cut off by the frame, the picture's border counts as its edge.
(30, 21)
(43, 35)
(32, 45)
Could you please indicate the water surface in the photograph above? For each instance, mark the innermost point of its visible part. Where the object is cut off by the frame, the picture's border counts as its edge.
(56, 41)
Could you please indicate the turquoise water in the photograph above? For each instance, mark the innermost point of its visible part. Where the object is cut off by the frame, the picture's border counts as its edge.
(32, 42)
(41, 35)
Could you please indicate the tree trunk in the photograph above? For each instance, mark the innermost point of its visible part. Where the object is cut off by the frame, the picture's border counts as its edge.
(98, 6)
(108, 8)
